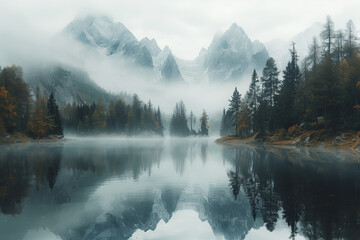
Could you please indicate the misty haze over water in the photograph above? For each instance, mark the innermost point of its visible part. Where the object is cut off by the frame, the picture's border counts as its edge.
(121, 188)
(182, 119)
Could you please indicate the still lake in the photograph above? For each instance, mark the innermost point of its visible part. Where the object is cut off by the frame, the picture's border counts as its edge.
(128, 188)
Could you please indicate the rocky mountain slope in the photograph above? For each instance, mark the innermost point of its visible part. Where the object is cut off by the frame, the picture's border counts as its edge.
(230, 56)
(68, 84)
(116, 39)
(233, 54)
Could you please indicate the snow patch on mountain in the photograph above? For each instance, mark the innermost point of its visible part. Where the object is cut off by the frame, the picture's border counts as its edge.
(98, 31)
(102, 32)
(151, 45)
(231, 56)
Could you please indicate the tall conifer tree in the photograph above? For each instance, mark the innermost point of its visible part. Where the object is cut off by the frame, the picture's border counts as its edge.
(54, 116)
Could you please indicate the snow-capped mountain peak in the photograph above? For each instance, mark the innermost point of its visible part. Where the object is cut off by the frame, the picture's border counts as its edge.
(232, 55)
(98, 31)
(151, 45)
(116, 39)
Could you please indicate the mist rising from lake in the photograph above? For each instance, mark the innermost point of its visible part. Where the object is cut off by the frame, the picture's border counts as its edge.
(155, 188)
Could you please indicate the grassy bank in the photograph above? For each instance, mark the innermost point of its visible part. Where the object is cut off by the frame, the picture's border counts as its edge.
(313, 138)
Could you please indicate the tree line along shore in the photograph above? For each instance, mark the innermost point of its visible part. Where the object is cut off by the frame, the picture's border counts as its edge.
(317, 102)
(27, 116)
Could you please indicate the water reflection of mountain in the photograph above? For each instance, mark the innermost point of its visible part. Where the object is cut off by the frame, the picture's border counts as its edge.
(129, 215)
(316, 193)
(226, 216)
(229, 217)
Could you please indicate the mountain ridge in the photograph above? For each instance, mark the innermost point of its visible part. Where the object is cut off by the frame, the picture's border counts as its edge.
(230, 55)
(103, 32)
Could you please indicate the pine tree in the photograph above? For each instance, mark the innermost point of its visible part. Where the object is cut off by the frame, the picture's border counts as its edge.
(147, 119)
(339, 47)
(136, 107)
(192, 120)
(261, 117)
(111, 122)
(121, 113)
(178, 123)
(333, 93)
(160, 126)
(328, 36)
(314, 54)
(99, 117)
(301, 103)
(253, 98)
(351, 45)
(325, 92)
(227, 127)
(270, 83)
(286, 101)
(204, 124)
(55, 124)
(134, 116)
(235, 106)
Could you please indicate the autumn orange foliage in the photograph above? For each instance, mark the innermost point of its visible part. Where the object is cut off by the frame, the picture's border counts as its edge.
(243, 122)
(7, 111)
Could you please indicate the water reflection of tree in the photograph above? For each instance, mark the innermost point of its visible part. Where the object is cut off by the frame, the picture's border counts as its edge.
(13, 183)
(18, 168)
(318, 200)
(290, 193)
(40, 165)
(204, 151)
(45, 165)
(179, 153)
(235, 180)
(234, 176)
(114, 160)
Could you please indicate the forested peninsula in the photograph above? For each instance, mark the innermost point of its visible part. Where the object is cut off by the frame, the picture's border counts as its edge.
(316, 103)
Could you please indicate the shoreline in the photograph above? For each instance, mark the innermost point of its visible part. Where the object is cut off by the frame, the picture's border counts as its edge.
(313, 139)
(18, 137)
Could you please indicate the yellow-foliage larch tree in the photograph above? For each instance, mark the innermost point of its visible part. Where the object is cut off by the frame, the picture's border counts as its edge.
(7, 112)
(243, 122)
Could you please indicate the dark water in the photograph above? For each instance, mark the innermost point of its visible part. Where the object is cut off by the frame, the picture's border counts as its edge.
(176, 189)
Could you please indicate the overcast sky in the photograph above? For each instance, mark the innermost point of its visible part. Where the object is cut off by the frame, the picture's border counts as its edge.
(185, 25)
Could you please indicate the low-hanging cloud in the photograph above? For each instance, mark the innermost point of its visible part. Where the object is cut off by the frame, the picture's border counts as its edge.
(185, 25)
(29, 34)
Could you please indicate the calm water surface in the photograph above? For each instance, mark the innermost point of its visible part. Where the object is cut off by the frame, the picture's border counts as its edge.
(176, 189)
